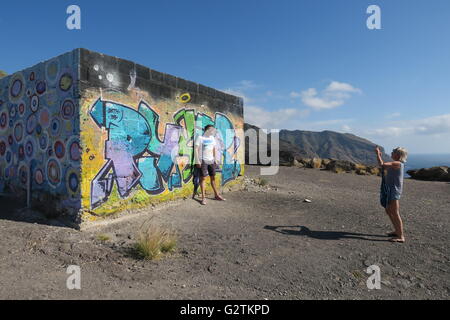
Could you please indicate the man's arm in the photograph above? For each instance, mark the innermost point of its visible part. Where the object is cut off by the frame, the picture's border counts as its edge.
(197, 155)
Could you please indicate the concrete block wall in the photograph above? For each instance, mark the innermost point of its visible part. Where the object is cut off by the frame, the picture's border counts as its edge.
(120, 134)
(39, 134)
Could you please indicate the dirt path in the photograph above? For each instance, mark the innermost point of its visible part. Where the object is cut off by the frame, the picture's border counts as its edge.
(260, 244)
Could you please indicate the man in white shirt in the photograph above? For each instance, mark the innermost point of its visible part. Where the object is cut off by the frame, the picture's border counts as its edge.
(205, 159)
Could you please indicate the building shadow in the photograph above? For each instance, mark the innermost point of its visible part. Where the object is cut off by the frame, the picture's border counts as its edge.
(324, 235)
(15, 209)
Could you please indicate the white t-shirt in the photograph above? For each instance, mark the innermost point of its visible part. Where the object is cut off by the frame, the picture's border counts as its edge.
(208, 144)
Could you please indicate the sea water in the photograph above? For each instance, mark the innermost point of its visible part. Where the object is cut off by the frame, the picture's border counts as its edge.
(419, 161)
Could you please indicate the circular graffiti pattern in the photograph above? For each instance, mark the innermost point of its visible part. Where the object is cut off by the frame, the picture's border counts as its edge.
(52, 70)
(8, 156)
(18, 131)
(30, 146)
(3, 120)
(10, 140)
(39, 129)
(73, 182)
(34, 104)
(67, 109)
(16, 87)
(31, 123)
(39, 176)
(60, 149)
(23, 174)
(55, 126)
(21, 108)
(53, 172)
(65, 83)
(44, 118)
(41, 87)
(43, 141)
(12, 112)
(2, 148)
(74, 150)
(184, 98)
(21, 152)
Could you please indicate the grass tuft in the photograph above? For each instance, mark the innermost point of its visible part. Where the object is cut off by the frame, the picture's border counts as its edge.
(103, 237)
(153, 241)
(262, 182)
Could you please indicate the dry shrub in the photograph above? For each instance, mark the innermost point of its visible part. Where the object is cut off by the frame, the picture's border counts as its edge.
(154, 240)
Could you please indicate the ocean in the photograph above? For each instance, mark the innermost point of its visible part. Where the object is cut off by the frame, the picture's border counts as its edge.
(419, 161)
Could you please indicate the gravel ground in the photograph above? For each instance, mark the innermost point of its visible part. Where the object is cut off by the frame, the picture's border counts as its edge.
(262, 243)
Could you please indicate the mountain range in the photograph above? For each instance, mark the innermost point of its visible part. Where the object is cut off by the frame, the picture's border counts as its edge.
(326, 144)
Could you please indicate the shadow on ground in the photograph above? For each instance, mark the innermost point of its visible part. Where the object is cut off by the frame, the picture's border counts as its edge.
(15, 209)
(323, 235)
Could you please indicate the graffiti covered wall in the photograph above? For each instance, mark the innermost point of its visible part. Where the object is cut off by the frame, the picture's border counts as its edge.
(137, 133)
(39, 134)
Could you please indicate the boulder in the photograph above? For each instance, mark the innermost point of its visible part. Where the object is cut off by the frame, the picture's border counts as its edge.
(325, 162)
(339, 166)
(374, 171)
(306, 162)
(298, 164)
(316, 163)
(362, 172)
(431, 174)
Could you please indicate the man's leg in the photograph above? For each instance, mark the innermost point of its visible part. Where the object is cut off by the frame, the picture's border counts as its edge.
(212, 175)
(202, 187)
(213, 185)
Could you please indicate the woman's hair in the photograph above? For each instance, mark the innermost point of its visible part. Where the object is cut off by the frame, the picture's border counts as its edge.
(402, 153)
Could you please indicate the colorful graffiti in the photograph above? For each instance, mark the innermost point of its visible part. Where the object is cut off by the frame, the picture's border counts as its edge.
(39, 131)
(136, 155)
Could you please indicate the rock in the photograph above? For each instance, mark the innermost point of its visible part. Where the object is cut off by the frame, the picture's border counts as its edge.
(316, 163)
(297, 164)
(361, 172)
(339, 166)
(431, 174)
(325, 162)
(306, 162)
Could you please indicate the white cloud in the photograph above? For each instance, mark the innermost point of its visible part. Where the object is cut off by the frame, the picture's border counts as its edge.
(346, 128)
(294, 95)
(333, 96)
(336, 86)
(393, 115)
(429, 126)
(246, 84)
(238, 93)
(276, 119)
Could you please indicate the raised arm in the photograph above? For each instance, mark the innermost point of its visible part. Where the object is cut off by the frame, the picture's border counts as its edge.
(394, 164)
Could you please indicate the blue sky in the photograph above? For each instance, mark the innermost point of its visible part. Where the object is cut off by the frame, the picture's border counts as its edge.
(307, 65)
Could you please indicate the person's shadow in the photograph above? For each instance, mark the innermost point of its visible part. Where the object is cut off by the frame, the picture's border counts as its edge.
(323, 235)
